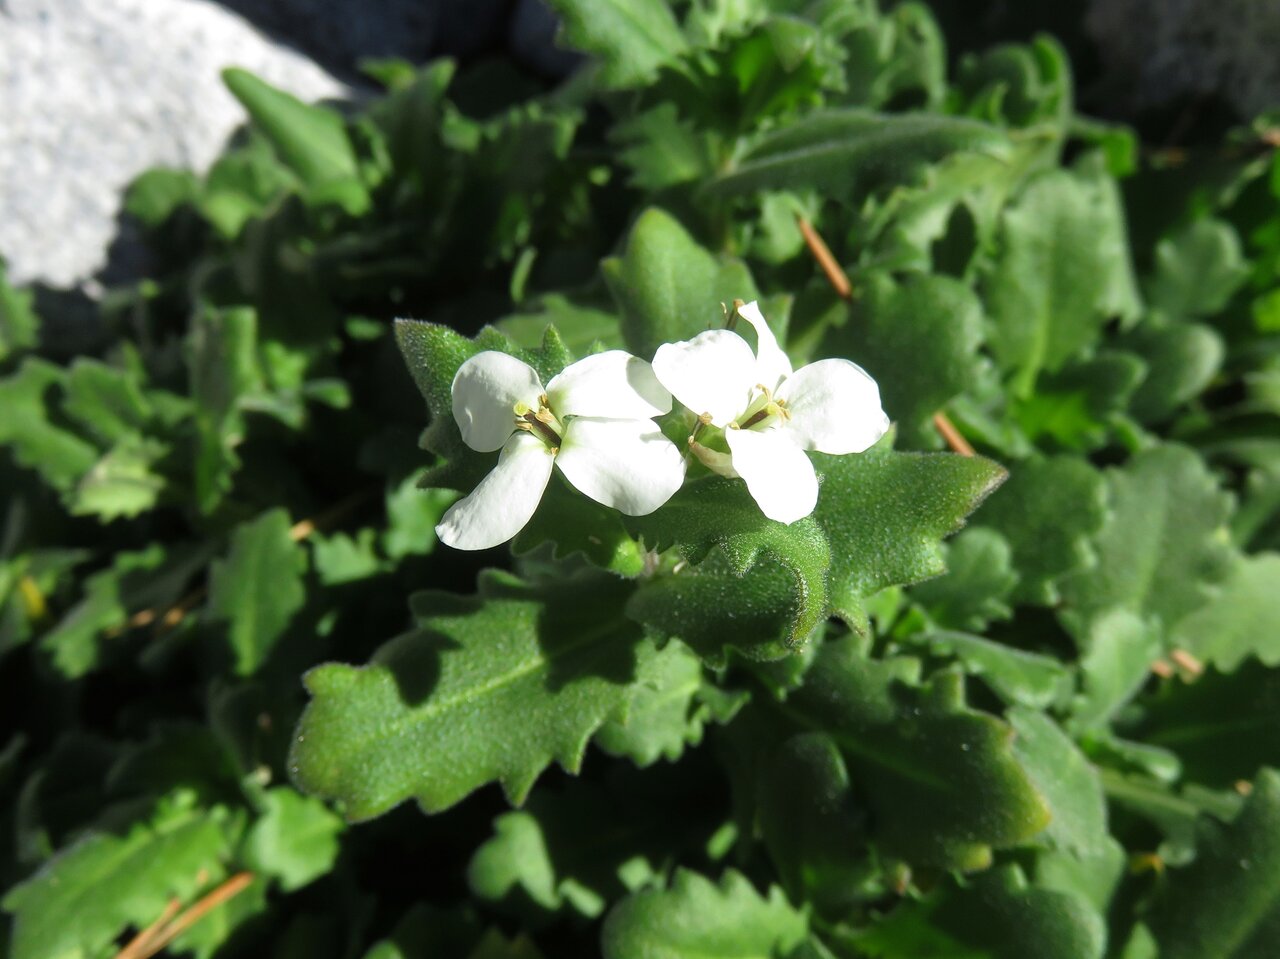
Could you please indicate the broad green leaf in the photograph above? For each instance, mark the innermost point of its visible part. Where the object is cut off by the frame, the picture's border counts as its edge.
(886, 513)
(342, 558)
(1001, 916)
(919, 340)
(108, 402)
(1016, 676)
(845, 153)
(670, 288)
(976, 586)
(717, 513)
(581, 326)
(1181, 358)
(944, 783)
(1241, 621)
(1068, 782)
(294, 840)
(631, 38)
(412, 515)
(490, 687)
(19, 325)
(811, 823)
(1075, 408)
(1063, 270)
(669, 711)
(697, 919)
(311, 141)
(1197, 269)
(1048, 511)
(36, 440)
(1222, 727)
(1226, 905)
(94, 890)
(1019, 84)
(1119, 649)
(122, 482)
(158, 193)
(256, 589)
(223, 367)
(1163, 548)
(661, 150)
(576, 524)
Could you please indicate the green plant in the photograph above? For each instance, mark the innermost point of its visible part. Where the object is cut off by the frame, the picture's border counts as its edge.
(712, 734)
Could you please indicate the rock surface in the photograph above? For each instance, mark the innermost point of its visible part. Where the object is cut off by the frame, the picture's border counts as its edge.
(93, 92)
(1156, 51)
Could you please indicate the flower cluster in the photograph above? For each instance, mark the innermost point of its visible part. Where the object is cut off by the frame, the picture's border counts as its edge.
(753, 417)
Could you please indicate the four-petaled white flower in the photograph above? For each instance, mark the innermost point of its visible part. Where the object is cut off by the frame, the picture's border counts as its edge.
(593, 420)
(769, 414)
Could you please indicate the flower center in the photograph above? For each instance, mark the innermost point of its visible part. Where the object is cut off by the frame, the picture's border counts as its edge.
(763, 411)
(541, 422)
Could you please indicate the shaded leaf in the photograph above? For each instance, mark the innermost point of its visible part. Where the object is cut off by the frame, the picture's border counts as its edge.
(631, 38)
(976, 585)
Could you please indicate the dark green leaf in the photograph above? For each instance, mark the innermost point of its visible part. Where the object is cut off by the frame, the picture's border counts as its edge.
(668, 287)
(1181, 358)
(492, 687)
(1198, 267)
(845, 153)
(943, 782)
(885, 514)
(257, 588)
(19, 325)
(977, 584)
(697, 919)
(1241, 620)
(631, 38)
(1016, 676)
(59, 455)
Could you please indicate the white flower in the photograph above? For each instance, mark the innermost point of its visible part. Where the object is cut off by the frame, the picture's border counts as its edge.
(593, 420)
(769, 414)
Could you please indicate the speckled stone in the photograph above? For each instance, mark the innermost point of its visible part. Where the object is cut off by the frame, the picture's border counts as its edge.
(92, 92)
(1155, 51)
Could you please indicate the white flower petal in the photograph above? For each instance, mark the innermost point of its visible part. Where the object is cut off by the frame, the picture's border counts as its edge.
(772, 365)
(712, 373)
(834, 406)
(626, 464)
(614, 384)
(485, 389)
(504, 501)
(779, 476)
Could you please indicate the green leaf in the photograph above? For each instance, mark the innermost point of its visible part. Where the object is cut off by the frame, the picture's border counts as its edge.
(944, 783)
(717, 513)
(1240, 621)
(669, 711)
(1181, 359)
(919, 340)
(698, 919)
(1222, 727)
(1075, 408)
(19, 325)
(122, 482)
(668, 287)
(661, 150)
(1226, 905)
(256, 589)
(342, 558)
(810, 821)
(1198, 267)
(92, 891)
(311, 141)
(1119, 648)
(490, 687)
(1063, 270)
(845, 153)
(158, 193)
(60, 456)
(412, 515)
(976, 586)
(1048, 511)
(576, 524)
(1016, 676)
(1001, 916)
(1068, 782)
(885, 514)
(631, 38)
(294, 840)
(1163, 548)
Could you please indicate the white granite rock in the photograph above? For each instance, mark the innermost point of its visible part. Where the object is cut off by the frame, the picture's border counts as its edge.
(93, 92)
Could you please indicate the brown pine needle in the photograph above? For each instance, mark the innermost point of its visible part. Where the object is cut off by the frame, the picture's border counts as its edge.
(834, 272)
(1162, 669)
(1192, 666)
(952, 435)
(171, 925)
(1243, 787)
